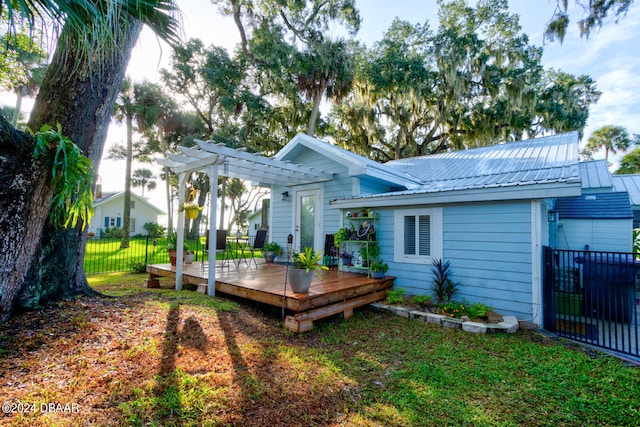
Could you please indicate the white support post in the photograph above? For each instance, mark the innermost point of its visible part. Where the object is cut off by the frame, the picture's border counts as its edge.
(180, 240)
(212, 172)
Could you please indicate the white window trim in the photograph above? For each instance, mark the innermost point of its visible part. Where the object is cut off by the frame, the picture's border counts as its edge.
(435, 215)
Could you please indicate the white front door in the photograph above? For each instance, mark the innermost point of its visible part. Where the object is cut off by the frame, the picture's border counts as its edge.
(308, 219)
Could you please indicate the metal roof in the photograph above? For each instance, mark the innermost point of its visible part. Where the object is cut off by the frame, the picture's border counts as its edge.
(534, 161)
(359, 166)
(595, 175)
(630, 184)
(595, 206)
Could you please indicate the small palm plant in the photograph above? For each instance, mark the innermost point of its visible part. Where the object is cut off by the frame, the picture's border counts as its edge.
(308, 260)
(443, 288)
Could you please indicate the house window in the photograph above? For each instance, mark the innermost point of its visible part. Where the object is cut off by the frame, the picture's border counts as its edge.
(112, 222)
(132, 225)
(132, 204)
(418, 235)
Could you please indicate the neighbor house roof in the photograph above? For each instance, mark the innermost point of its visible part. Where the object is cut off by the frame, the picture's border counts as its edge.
(595, 206)
(109, 196)
(549, 164)
(630, 184)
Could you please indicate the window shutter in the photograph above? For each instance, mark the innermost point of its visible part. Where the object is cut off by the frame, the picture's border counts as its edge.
(118, 222)
(424, 238)
(106, 221)
(410, 235)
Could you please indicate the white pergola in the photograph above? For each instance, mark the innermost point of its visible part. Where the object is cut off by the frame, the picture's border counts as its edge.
(237, 163)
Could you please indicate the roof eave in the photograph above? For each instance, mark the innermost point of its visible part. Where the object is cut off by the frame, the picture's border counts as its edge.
(486, 194)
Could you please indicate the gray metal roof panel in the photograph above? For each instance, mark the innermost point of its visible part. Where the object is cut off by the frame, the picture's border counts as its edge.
(629, 183)
(540, 160)
(595, 174)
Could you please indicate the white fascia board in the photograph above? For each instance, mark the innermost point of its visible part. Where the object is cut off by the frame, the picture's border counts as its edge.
(523, 192)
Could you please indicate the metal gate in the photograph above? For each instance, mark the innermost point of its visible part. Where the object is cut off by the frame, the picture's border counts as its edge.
(592, 297)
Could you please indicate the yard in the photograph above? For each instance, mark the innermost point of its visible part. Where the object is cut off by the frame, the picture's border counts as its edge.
(160, 357)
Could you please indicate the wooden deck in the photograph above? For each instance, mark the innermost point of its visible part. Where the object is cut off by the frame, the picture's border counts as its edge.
(337, 292)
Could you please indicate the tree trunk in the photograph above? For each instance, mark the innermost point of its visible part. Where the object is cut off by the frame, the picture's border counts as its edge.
(16, 112)
(24, 191)
(316, 110)
(126, 214)
(45, 262)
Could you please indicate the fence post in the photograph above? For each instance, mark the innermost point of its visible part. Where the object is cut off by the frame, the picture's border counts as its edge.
(547, 290)
(146, 251)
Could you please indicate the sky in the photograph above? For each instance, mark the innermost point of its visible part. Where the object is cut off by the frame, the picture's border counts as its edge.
(610, 57)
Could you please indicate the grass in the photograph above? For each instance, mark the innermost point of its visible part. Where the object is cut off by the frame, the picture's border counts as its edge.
(161, 357)
(105, 255)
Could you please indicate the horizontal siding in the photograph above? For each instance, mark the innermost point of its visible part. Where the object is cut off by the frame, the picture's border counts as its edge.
(613, 235)
(339, 187)
(489, 248)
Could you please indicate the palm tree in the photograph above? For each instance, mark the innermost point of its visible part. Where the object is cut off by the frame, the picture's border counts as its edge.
(327, 69)
(610, 138)
(30, 66)
(124, 111)
(143, 178)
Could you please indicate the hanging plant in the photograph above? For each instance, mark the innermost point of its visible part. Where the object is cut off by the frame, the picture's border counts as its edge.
(71, 173)
(191, 209)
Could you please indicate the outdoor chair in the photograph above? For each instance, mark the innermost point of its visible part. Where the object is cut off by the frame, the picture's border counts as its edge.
(330, 255)
(221, 248)
(258, 245)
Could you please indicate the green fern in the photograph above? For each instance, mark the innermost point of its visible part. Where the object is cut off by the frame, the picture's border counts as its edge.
(71, 173)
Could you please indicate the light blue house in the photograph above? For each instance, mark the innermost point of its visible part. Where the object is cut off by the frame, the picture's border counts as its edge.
(488, 211)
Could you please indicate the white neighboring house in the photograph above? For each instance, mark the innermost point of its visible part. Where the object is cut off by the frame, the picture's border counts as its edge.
(108, 213)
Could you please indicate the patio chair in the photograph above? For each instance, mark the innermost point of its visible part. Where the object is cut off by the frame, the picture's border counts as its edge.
(221, 248)
(258, 245)
(330, 255)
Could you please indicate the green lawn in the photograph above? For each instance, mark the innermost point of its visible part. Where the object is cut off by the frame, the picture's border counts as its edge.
(105, 255)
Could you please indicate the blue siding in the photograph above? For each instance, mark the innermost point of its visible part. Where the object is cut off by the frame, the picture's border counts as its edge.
(339, 187)
(489, 248)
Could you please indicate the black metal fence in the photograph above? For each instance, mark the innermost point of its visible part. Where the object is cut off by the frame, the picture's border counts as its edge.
(106, 255)
(592, 297)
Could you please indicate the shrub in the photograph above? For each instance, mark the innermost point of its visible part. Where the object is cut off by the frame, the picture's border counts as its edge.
(396, 296)
(154, 230)
(138, 267)
(422, 299)
(464, 308)
(443, 288)
(112, 233)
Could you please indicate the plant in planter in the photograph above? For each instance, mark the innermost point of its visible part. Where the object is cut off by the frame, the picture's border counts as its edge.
(305, 264)
(340, 236)
(378, 268)
(270, 251)
(347, 258)
(369, 251)
(172, 245)
(191, 209)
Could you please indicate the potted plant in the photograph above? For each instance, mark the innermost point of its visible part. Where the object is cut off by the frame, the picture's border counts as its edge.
(340, 236)
(378, 268)
(369, 251)
(270, 251)
(172, 245)
(191, 209)
(304, 265)
(347, 258)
